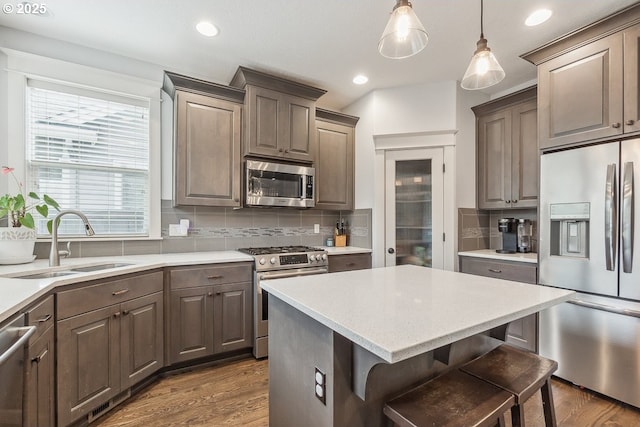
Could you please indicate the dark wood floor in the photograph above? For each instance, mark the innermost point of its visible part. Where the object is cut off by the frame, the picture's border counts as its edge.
(236, 394)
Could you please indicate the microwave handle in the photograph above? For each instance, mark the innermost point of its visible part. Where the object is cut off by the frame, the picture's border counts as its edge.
(303, 186)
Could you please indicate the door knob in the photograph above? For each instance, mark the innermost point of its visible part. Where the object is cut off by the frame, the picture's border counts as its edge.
(391, 250)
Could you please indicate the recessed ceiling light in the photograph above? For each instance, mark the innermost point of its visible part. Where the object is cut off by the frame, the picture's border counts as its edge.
(360, 79)
(538, 17)
(206, 28)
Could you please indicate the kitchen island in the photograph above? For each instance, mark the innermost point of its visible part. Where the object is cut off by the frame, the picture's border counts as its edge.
(373, 333)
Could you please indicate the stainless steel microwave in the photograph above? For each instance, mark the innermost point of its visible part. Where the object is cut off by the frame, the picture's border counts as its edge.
(279, 184)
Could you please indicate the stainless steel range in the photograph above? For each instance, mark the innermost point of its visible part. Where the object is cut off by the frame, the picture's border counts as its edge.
(277, 263)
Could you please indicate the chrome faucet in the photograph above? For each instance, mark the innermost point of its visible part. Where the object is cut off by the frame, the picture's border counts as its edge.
(54, 254)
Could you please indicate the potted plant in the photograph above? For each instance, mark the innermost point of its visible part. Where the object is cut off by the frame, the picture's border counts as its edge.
(18, 239)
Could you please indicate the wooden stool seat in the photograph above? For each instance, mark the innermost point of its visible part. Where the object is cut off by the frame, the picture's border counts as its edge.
(519, 372)
(452, 399)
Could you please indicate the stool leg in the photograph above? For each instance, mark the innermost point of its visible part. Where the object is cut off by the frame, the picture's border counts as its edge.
(547, 404)
(517, 416)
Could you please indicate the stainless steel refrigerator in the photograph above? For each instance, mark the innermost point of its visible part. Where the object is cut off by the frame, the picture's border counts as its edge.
(586, 243)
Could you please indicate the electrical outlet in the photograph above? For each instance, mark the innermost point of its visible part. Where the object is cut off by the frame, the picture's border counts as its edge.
(316, 228)
(320, 386)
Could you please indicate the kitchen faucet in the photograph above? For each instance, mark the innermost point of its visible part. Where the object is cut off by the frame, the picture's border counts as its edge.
(54, 254)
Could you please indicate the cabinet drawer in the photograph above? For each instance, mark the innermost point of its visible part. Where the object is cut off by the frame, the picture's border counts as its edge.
(91, 297)
(349, 262)
(519, 272)
(205, 275)
(41, 316)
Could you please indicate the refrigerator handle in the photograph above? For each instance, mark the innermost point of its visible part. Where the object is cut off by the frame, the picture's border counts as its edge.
(610, 218)
(627, 218)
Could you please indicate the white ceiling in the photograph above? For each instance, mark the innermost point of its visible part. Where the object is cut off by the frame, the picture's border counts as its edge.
(322, 42)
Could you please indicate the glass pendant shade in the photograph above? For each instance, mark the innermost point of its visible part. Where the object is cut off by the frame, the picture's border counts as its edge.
(404, 34)
(484, 69)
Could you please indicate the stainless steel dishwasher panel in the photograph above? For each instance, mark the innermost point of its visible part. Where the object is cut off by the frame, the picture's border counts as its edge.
(13, 339)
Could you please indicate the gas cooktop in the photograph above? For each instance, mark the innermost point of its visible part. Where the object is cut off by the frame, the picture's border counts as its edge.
(279, 250)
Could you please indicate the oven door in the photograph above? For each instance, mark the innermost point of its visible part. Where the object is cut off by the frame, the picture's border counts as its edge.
(261, 304)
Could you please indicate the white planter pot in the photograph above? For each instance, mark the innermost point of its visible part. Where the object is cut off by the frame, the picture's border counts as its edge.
(16, 245)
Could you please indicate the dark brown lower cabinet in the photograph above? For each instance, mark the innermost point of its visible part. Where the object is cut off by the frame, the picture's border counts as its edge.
(103, 352)
(523, 332)
(39, 385)
(207, 320)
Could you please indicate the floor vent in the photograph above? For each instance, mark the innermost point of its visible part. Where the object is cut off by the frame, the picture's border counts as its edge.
(98, 411)
(107, 406)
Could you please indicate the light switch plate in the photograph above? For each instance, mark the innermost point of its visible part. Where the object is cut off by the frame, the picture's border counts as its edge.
(316, 228)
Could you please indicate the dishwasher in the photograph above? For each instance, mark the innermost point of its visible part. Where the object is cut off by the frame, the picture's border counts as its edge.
(13, 340)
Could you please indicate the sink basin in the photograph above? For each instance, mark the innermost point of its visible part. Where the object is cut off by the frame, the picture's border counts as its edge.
(46, 275)
(99, 267)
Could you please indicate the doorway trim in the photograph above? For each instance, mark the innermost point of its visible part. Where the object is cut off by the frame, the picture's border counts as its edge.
(433, 139)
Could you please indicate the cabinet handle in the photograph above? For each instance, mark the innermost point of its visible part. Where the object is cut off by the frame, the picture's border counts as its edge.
(615, 125)
(493, 270)
(38, 358)
(218, 293)
(629, 122)
(507, 201)
(215, 277)
(210, 294)
(280, 150)
(117, 314)
(125, 312)
(514, 201)
(286, 150)
(120, 292)
(351, 264)
(43, 318)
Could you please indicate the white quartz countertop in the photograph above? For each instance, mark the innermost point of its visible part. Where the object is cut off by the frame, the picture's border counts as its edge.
(530, 257)
(399, 312)
(345, 250)
(16, 294)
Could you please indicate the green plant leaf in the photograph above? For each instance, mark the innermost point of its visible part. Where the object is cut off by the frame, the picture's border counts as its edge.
(43, 210)
(49, 225)
(48, 200)
(27, 221)
(34, 196)
(18, 203)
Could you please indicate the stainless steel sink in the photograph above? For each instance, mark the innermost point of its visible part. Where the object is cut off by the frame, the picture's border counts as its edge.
(99, 267)
(46, 275)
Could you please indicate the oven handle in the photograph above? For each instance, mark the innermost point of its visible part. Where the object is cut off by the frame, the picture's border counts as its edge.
(290, 273)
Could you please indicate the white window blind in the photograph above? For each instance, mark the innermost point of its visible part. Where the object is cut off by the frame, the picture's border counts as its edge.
(89, 151)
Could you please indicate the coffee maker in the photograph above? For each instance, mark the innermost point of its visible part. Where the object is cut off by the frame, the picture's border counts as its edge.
(516, 235)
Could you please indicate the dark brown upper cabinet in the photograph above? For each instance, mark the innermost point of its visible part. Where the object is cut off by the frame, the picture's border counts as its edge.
(207, 142)
(588, 82)
(335, 162)
(507, 151)
(280, 116)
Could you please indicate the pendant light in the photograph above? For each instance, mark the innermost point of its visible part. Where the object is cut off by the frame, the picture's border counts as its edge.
(484, 69)
(404, 34)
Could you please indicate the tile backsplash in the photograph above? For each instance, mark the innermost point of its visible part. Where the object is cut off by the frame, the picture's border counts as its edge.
(229, 229)
(478, 229)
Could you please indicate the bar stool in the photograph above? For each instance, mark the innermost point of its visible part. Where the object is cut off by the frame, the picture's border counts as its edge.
(453, 399)
(522, 374)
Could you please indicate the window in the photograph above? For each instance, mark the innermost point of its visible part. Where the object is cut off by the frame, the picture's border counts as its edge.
(89, 150)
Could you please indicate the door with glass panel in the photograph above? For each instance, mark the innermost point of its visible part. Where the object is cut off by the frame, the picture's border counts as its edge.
(414, 207)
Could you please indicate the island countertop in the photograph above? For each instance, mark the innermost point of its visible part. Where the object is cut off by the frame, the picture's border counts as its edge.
(399, 312)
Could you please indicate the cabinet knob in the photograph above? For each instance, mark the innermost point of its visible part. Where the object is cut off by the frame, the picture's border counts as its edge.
(615, 125)
(629, 122)
(286, 150)
(514, 201)
(116, 314)
(507, 201)
(280, 150)
(210, 294)
(125, 312)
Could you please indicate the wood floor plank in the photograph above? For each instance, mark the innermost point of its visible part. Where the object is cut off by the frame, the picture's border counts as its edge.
(237, 394)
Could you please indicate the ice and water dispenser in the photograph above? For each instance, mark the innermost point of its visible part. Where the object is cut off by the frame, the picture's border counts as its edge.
(569, 229)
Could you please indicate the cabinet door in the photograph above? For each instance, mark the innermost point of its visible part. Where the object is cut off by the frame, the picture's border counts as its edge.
(264, 122)
(580, 94)
(349, 262)
(191, 323)
(88, 362)
(631, 79)
(524, 156)
(523, 332)
(233, 317)
(494, 160)
(39, 386)
(142, 342)
(208, 163)
(334, 166)
(298, 128)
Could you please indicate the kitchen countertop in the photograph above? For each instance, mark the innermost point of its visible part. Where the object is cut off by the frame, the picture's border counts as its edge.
(345, 250)
(530, 257)
(399, 312)
(16, 294)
